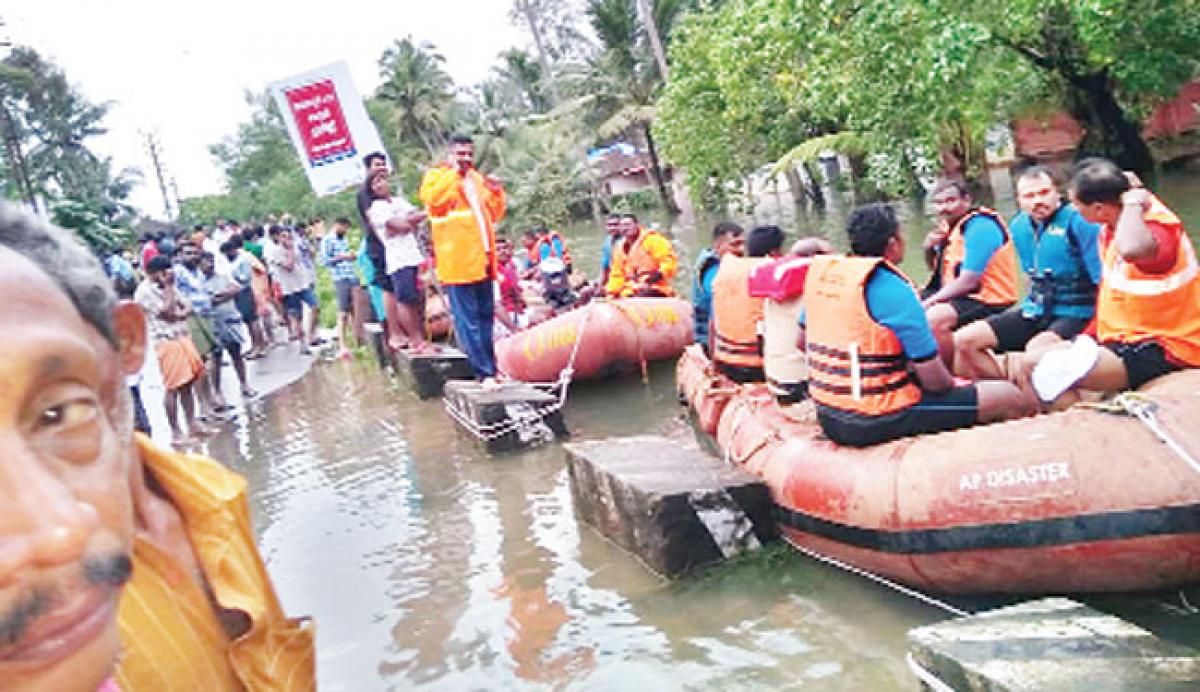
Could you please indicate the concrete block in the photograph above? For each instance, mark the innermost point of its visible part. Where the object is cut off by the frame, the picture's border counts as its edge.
(1049, 644)
(507, 419)
(427, 373)
(673, 506)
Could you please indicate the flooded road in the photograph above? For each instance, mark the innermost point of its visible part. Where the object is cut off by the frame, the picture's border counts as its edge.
(427, 563)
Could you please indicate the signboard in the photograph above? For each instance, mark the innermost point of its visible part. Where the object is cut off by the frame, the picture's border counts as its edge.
(328, 125)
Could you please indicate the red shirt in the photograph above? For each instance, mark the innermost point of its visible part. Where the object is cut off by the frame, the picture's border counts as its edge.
(510, 289)
(149, 252)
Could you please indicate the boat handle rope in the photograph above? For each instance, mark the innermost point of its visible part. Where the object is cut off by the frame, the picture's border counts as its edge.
(1142, 407)
(637, 334)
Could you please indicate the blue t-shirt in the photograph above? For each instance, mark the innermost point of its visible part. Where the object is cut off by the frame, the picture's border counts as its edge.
(894, 303)
(606, 255)
(982, 237)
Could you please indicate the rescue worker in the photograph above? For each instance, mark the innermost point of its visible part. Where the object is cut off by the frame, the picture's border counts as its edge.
(727, 240)
(1057, 251)
(781, 286)
(736, 316)
(643, 262)
(874, 371)
(464, 207)
(1148, 308)
(612, 235)
(542, 243)
(975, 267)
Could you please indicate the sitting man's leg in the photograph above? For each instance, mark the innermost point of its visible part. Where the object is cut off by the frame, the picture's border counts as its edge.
(942, 320)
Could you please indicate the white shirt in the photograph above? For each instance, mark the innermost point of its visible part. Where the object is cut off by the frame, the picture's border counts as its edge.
(399, 250)
(290, 280)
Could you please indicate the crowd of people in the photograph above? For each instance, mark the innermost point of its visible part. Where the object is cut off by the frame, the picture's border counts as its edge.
(1113, 303)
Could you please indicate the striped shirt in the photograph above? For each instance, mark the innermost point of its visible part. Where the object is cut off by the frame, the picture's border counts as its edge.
(339, 270)
(169, 628)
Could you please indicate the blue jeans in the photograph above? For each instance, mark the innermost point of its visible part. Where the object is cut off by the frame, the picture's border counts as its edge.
(472, 306)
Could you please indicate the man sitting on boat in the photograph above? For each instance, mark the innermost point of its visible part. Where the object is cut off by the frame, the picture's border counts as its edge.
(643, 263)
(542, 244)
(1148, 309)
(737, 317)
(727, 240)
(874, 370)
(1057, 251)
(781, 286)
(974, 266)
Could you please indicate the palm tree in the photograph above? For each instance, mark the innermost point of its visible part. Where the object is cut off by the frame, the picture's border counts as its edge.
(419, 91)
(625, 77)
(518, 69)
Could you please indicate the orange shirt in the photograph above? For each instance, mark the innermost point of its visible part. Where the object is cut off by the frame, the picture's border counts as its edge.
(171, 635)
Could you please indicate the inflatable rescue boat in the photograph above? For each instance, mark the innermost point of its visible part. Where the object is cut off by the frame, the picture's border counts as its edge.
(1079, 501)
(604, 337)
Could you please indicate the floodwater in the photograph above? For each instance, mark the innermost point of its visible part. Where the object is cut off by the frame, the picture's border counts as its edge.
(427, 563)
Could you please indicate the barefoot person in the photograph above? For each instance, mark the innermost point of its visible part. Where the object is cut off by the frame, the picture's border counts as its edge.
(180, 364)
(122, 562)
(227, 323)
(464, 207)
(395, 222)
(337, 256)
(1148, 308)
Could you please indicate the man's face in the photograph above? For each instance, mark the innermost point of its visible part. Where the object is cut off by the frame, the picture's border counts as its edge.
(340, 229)
(894, 252)
(950, 204)
(613, 226)
(66, 457)
(207, 266)
(1097, 213)
(504, 252)
(731, 244)
(378, 165)
(462, 155)
(189, 256)
(380, 187)
(629, 228)
(231, 254)
(1038, 197)
(162, 277)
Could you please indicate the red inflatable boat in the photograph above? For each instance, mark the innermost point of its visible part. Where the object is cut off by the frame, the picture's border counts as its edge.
(616, 335)
(1076, 501)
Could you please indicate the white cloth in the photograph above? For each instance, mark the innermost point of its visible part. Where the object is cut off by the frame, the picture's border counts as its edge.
(401, 250)
(290, 280)
(1061, 369)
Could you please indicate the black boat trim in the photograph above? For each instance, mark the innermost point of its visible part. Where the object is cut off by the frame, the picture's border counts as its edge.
(1085, 528)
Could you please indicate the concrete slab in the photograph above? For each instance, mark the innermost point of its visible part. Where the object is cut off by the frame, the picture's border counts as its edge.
(427, 373)
(1049, 644)
(507, 419)
(676, 508)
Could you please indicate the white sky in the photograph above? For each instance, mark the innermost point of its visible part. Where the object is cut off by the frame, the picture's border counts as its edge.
(180, 68)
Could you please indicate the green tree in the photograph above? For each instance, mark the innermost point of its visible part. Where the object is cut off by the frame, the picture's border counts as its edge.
(419, 91)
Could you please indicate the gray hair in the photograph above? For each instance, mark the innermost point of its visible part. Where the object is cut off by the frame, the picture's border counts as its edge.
(66, 261)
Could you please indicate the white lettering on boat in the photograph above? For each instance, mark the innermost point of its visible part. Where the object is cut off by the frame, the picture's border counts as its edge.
(1034, 474)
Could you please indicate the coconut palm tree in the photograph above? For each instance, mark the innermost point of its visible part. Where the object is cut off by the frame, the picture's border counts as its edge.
(419, 91)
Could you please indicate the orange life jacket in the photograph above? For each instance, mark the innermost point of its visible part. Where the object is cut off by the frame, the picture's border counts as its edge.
(855, 364)
(535, 252)
(637, 263)
(736, 315)
(998, 284)
(464, 251)
(1134, 306)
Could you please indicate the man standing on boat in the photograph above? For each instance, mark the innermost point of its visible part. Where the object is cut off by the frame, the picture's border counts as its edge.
(1057, 250)
(727, 240)
(973, 262)
(464, 206)
(643, 263)
(874, 370)
(1148, 309)
(612, 235)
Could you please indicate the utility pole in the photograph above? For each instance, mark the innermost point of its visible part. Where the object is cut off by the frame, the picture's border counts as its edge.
(155, 149)
(544, 59)
(660, 56)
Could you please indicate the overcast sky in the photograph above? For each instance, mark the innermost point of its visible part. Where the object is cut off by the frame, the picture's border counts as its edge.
(180, 68)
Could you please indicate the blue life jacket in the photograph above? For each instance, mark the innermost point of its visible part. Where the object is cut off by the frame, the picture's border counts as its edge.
(1052, 258)
(701, 297)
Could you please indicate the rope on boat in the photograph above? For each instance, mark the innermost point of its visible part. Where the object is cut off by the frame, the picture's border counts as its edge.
(928, 679)
(879, 579)
(527, 420)
(1142, 407)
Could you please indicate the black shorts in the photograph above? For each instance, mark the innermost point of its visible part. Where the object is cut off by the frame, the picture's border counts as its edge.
(247, 307)
(970, 310)
(949, 410)
(1014, 330)
(740, 373)
(404, 285)
(1144, 361)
